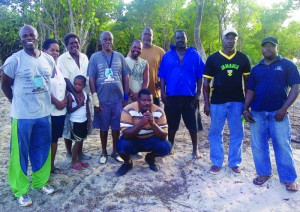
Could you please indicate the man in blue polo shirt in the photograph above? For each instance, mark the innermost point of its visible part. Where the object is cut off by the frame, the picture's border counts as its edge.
(269, 98)
(181, 78)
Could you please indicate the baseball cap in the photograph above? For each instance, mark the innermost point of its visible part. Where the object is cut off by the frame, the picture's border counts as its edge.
(269, 40)
(230, 30)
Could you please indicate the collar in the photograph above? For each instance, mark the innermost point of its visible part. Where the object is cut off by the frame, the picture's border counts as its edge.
(278, 58)
(228, 57)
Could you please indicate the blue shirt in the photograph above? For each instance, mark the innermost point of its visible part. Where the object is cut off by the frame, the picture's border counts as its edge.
(181, 78)
(271, 82)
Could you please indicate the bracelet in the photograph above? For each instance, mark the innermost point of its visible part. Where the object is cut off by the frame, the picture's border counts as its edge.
(246, 111)
(126, 96)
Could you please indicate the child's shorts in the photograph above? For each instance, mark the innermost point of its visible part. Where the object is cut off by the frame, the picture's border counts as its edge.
(79, 131)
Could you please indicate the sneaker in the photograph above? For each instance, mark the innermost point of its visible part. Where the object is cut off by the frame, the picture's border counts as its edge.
(24, 200)
(85, 156)
(103, 159)
(214, 169)
(48, 189)
(152, 163)
(117, 157)
(236, 170)
(124, 168)
(139, 155)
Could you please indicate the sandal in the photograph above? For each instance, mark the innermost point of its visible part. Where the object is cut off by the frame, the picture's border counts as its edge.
(83, 164)
(291, 186)
(259, 180)
(77, 166)
(117, 157)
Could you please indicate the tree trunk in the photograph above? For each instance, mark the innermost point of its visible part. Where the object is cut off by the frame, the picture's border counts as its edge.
(197, 36)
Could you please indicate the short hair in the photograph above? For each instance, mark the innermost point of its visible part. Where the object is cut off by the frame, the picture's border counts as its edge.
(47, 43)
(136, 41)
(104, 33)
(82, 78)
(25, 26)
(144, 91)
(180, 30)
(69, 36)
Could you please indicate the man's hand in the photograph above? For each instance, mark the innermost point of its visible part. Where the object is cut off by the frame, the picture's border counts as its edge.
(248, 116)
(207, 109)
(148, 115)
(195, 101)
(61, 104)
(281, 113)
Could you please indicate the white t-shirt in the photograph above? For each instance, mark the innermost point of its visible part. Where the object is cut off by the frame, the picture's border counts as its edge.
(80, 114)
(31, 87)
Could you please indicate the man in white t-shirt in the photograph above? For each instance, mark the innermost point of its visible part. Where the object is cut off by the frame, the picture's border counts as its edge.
(139, 76)
(26, 83)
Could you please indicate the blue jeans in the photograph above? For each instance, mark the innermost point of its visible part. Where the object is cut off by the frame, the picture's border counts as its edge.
(231, 111)
(152, 144)
(264, 128)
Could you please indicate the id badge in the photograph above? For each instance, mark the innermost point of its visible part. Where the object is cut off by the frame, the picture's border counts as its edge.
(108, 73)
(38, 81)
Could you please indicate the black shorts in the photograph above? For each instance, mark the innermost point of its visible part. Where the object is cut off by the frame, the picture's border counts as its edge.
(181, 105)
(79, 131)
(57, 125)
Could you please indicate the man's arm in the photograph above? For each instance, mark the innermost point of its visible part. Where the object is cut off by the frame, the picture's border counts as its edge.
(6, 84)
(95, 101)
(196, 100)
(163, 91)
(132, 132)
(293, 94)
(245, 77)
(146, 77)
(206, 93)
(248, 100)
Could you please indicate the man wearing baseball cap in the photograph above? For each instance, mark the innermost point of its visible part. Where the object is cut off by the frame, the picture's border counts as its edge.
(269, 97)
(228, 68)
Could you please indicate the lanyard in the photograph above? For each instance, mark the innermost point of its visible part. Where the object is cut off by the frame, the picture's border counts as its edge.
(111, 59)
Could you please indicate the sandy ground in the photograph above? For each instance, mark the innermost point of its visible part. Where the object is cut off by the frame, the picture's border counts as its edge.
(182, 184)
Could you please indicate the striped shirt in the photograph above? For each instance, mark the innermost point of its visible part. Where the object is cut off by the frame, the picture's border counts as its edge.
(131, 116)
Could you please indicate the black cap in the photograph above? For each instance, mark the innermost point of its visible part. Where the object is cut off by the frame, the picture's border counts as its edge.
(272, 40)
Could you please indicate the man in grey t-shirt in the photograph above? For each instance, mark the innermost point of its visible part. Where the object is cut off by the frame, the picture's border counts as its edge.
(109, 83)
(26, 83)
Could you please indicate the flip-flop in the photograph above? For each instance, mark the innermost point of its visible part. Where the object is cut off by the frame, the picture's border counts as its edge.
(291, 186)
(83, 164)
(259, 180)
(77, 166)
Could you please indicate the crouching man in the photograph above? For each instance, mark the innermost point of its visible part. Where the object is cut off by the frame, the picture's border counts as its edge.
(144, 129)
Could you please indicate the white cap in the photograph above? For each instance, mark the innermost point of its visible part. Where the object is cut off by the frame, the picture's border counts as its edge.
(230, 30)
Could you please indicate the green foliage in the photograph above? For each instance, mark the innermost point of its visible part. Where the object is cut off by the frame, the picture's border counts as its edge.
(89, 18)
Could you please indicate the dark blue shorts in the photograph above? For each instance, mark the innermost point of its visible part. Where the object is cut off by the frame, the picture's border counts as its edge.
(57, 125)
(181, 106)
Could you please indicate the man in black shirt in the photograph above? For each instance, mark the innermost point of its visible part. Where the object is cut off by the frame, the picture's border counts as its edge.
(228, 68)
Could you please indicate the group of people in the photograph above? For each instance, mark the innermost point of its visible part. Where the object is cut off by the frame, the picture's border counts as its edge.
(52, 95)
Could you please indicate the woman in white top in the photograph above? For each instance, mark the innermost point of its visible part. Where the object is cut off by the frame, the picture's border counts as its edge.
(58, 99)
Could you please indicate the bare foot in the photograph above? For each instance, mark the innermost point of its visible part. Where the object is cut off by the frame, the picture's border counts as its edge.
(196, 155)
